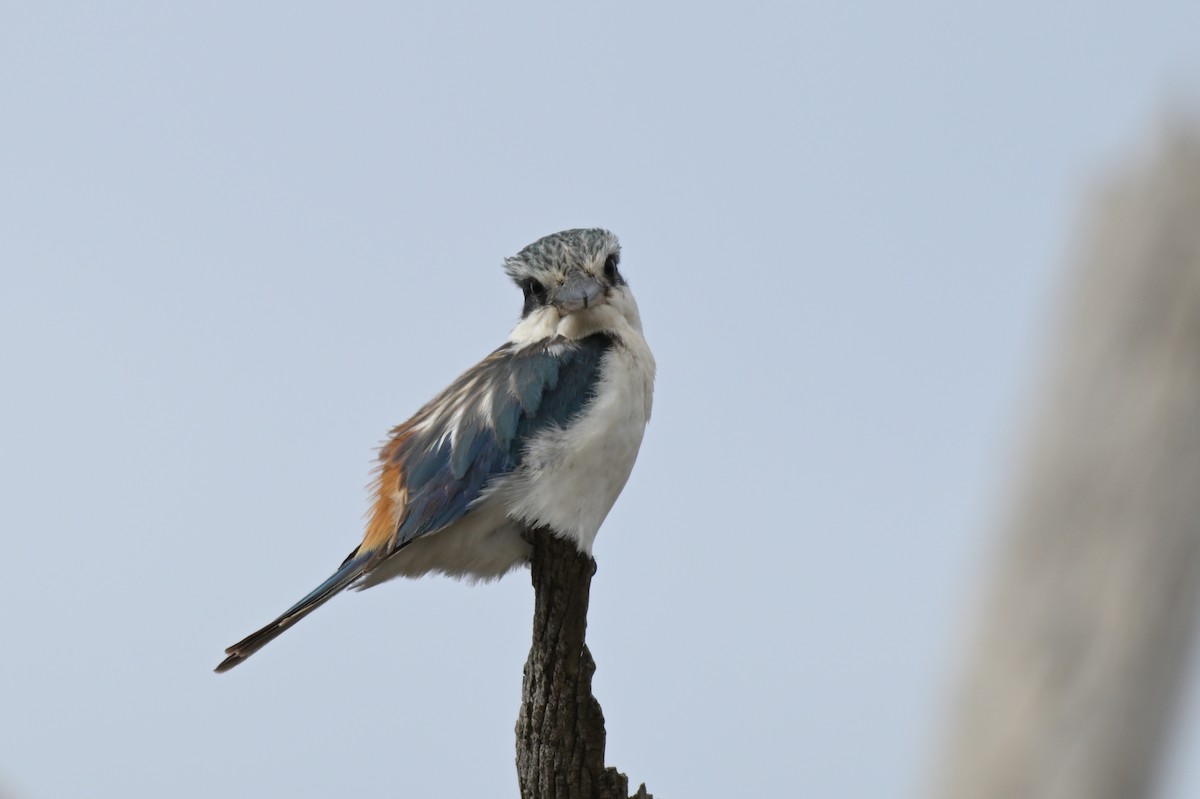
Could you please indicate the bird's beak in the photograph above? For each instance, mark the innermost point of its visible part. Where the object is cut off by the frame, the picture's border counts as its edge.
(579, 292)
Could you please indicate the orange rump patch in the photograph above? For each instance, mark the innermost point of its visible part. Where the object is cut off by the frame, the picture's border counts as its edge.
(390, 500)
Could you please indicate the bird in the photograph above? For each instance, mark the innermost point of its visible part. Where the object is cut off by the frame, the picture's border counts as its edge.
(541, 433)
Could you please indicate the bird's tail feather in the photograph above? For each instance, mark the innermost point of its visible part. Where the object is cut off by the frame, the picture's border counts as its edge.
(351, 570)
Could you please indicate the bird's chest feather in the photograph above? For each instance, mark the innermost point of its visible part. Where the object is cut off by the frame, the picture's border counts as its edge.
(571, 476)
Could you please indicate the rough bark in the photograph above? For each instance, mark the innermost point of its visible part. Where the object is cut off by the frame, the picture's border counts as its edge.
(560, 731)
(1084, 639)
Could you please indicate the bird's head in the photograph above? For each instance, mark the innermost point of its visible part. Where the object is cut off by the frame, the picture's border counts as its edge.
(572, 285)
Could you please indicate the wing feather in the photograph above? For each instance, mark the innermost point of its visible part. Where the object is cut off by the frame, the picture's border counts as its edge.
(442, 460)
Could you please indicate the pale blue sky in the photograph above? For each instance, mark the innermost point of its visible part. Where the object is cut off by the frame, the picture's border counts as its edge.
(238, 242)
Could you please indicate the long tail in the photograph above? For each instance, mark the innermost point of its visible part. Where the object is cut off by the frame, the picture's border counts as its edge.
(351, 570)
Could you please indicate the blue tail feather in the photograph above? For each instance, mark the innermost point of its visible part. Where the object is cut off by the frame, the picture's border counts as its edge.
(351, 570)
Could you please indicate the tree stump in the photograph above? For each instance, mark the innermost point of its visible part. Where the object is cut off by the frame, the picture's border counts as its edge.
(560, 731)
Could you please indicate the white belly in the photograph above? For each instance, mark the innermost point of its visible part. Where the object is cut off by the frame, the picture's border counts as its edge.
(483, 545)
(570, 478)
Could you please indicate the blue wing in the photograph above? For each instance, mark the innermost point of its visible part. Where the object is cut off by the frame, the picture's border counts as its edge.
(441, 460)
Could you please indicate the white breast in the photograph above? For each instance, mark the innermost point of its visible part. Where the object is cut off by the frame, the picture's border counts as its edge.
(571, 477)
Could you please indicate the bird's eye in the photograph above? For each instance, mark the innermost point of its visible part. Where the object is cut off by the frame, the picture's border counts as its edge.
(535, 295)
(610, 268)
(533, 290)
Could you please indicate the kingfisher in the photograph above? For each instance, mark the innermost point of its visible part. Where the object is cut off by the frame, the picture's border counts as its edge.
(542, 433)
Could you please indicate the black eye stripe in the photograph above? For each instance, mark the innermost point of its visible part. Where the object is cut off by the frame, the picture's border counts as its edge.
(535, 295)
(610, 269)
